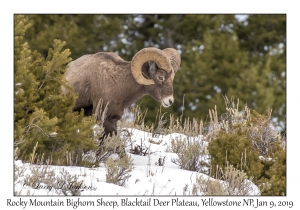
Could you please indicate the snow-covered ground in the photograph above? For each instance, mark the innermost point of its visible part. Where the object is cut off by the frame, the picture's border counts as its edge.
(147, 177)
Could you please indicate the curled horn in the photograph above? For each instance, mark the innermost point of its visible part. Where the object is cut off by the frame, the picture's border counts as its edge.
(174, 57)
(158, 56)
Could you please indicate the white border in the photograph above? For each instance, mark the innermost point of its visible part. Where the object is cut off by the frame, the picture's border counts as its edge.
(8, 8)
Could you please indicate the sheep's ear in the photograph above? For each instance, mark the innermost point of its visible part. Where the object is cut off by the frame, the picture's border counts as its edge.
(152, 69)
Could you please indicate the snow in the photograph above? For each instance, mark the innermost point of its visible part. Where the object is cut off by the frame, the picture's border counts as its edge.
(147, 177)
(53, 134)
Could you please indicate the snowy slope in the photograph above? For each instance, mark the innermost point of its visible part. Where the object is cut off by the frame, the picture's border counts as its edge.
(147, 178)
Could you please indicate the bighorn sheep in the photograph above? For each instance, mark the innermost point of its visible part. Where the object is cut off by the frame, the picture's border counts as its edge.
(121, 83)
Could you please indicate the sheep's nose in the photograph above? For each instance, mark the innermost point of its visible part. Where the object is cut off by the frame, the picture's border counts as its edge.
(167, 101)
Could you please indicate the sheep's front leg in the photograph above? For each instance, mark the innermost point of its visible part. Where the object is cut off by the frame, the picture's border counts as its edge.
(110, 124)
(110, 128)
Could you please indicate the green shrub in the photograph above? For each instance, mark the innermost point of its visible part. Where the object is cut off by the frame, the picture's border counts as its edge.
(235, 149)
(249, 142)
(41, 112)
(273, 178)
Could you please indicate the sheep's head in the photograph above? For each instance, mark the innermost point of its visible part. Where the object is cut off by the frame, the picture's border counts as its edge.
(156, 69)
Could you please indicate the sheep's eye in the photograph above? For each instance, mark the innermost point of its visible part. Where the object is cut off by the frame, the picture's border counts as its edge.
(160, 78)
